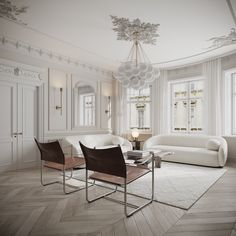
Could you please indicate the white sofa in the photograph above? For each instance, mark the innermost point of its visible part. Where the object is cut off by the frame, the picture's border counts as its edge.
(70, 144)
(192, 149)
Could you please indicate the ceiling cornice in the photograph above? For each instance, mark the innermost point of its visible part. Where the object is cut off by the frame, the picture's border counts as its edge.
(42, 53)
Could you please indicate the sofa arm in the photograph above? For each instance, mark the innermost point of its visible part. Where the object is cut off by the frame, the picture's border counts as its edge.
(223, 152)
(128, 144)
(149, 143)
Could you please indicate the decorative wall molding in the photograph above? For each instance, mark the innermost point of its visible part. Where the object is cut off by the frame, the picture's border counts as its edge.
(17, 71)
(45, 54)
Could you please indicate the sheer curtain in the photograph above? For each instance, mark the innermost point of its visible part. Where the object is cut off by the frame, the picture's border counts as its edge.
(214, 89)
(160, 105)
(120, 109)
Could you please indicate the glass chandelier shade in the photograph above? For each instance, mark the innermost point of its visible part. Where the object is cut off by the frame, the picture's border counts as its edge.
(137, 71)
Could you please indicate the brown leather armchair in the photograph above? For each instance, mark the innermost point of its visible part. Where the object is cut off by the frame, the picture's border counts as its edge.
(109, 166)
(53, 157)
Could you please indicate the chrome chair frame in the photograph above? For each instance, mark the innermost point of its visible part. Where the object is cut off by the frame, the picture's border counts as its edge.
(53, 154)
(125, 203)
(59, 182)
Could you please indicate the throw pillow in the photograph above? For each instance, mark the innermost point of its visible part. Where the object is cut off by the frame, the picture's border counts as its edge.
(116, 140)
(213, 144)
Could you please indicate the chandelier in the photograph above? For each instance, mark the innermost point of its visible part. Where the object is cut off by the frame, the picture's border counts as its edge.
(137, 71)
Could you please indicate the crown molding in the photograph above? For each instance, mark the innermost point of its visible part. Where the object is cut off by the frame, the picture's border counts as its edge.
(44, 54)
(21, 73)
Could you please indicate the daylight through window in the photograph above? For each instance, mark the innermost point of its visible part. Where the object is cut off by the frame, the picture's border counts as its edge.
(187, 106)
(138, 108)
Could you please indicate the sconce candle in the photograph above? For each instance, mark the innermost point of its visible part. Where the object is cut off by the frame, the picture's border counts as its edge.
(60, 106)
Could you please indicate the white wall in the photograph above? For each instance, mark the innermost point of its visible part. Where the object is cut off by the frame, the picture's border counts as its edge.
(61, 75)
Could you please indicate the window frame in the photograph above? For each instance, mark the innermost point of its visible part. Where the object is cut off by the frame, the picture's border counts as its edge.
(92, 108)
(188, 98)
(129, 102)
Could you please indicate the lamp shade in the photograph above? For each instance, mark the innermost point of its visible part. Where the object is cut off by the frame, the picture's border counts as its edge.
(135, 133)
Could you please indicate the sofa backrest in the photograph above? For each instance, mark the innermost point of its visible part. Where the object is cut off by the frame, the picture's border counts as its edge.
(185, 140)
(97, 140)
(92, 140)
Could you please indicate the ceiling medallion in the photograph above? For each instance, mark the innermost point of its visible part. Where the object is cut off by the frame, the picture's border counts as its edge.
(224, 40)
(10, 11)
(136, 72)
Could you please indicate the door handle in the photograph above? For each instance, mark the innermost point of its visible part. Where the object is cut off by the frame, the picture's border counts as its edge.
(14, 134)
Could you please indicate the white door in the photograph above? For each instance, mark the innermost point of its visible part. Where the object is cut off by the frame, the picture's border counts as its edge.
(18, 126)
(27, 125)
(8, 126)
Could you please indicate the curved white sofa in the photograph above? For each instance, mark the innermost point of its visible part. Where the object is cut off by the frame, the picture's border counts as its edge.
(191, 149)
(94, 140)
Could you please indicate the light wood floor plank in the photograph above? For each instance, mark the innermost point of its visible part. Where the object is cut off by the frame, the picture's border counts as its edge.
(27, 208)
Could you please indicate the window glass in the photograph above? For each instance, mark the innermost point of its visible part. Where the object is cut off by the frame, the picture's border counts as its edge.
(138, 108)
(180, 90)
(196, 114)
(180, 115)
(87, 113)
(196, 89)
(187, 106)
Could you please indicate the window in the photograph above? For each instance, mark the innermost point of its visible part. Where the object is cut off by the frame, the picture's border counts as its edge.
(87, 113)
(187, 106)
(138, 108)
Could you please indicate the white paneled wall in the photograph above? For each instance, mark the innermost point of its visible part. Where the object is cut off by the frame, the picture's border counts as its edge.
(29, 97)
(60, 91)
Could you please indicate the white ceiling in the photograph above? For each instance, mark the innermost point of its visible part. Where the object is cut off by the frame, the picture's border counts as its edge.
(185, 26)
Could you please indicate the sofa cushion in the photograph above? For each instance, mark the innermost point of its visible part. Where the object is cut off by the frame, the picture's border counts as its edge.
(191, 155)
(90, 141)
(116, 140)
(93, 140)
(213, 144)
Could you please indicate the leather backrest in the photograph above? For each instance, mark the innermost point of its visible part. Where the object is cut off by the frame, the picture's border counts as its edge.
(109, 161)
(51, 152)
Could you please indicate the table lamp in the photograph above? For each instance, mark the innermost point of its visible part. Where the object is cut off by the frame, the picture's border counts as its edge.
(135, 134)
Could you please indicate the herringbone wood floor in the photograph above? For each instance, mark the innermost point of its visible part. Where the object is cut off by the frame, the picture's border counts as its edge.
(27, 208)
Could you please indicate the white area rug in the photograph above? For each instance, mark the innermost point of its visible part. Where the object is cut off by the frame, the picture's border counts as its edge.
(177, 185)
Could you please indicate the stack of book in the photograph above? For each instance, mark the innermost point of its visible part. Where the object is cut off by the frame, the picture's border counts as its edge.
(137, 154)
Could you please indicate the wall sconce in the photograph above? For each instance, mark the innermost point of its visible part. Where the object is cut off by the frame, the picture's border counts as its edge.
(108, 110)
(60, 106)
